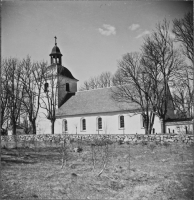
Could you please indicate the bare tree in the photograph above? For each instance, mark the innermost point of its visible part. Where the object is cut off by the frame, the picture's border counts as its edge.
(183, 93)
(117, 79)
(32, 80)
(105, 79)
(53, 82)
(162, 63)
(5, 96)
(101, 81)
(135, 87)
(100, 149)
(183, 30)
(14, 90)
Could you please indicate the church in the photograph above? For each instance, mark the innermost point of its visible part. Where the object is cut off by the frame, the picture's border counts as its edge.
(91, 111)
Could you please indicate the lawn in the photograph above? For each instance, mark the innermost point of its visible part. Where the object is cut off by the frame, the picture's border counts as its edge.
(132, 172)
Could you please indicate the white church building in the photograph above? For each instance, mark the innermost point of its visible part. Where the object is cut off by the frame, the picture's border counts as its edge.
(90, 111)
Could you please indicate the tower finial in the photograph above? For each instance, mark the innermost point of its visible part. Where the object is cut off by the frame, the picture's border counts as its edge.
(55, 40)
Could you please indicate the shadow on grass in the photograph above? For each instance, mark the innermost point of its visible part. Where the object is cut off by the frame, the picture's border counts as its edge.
(16, 161)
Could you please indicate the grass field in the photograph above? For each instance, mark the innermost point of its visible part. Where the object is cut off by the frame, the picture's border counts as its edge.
(133, 172)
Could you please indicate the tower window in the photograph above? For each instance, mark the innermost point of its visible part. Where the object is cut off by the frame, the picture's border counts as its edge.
(67, 87)
(99, 123)
(121, 121)
(46, 85)
(83, 124)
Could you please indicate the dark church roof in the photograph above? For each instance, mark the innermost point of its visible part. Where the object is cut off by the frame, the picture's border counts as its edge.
(62, 71)
(55, 50)
(93, 102)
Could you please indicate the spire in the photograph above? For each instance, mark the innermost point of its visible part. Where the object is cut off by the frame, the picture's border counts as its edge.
(56, 54)
(55, 41)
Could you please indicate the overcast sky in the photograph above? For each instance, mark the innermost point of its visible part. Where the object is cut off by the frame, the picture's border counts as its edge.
(92, 35)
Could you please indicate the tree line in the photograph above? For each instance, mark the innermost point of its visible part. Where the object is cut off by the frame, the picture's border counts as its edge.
(162, 70)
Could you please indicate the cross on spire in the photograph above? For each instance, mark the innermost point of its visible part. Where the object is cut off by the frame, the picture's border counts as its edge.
(55, 40)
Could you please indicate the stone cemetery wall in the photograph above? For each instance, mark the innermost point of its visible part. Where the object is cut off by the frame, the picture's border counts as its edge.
(56, 139)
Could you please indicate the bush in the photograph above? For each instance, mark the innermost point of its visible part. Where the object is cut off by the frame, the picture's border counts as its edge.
(78, 149)
(108, 141)
(120, 142)
(152, 146)
(166, 144)
(157, 143)
(101, 142)
(144, 143)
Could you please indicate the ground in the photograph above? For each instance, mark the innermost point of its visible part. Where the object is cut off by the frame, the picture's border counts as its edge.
(133, 172)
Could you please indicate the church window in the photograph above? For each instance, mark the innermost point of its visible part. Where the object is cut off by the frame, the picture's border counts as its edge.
(99, 123)
(46, 85)
(83, 124)
(64, 126)
(121, 121)
(186, 129)
(142, 121)
(169, 130)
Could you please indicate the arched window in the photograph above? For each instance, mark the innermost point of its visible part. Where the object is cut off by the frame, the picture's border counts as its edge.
(169, 130)
(186, 129)
(121, 121)
(83, 124)
(64, 126)
(99, 123)
(142, 121)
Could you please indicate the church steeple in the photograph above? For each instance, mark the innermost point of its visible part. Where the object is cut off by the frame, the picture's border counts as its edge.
(55, 41)
(56, 54)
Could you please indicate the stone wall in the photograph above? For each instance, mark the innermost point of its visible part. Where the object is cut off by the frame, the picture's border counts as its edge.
(19, 140)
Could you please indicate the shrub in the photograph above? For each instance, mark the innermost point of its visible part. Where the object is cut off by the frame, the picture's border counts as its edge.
(120, 142)
(157, 143)
(152, 146)
(101, 142)
(108, 141)
(78, 149)
(144, 143)
(166, 144)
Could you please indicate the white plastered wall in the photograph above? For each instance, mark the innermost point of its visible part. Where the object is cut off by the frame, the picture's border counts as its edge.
(110, 124)
(179, 128)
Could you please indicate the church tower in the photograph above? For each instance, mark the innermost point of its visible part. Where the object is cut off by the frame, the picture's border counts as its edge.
(66, 84)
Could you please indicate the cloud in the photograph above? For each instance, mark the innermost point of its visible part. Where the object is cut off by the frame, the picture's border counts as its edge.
(134, 27)
(107, 30)
(146, 32)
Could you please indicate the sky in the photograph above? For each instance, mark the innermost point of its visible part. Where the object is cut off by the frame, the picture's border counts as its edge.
(92, 35)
